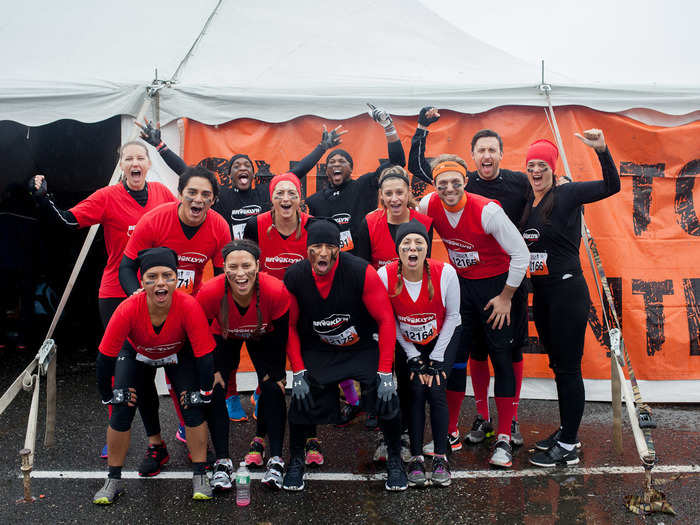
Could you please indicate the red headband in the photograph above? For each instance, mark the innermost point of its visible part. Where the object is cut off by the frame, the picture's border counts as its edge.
(543, 150)
(289, 176)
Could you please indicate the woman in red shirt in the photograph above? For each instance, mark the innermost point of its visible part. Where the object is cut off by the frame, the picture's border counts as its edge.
(251, 307)
(424, 295)
(157, 327)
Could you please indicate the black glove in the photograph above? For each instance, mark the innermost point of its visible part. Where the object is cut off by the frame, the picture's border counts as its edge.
(434, 368)
(416, 365)
(37, 193)
(329, 139)
(426, 121)
(387, 400)
(195, 397)
(121, 396)
(301, 394)
(152, 135)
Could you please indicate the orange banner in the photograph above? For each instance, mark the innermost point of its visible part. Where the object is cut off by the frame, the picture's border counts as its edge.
(648, 234)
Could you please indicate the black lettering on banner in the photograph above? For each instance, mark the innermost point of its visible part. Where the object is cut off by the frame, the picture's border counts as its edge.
(642, 179)
(220, 168)
(653, 293)
(263, 175)
(595, 321)
(683, 201)
(691, 289)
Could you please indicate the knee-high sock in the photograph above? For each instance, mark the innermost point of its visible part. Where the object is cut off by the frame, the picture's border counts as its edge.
(504, 405)
(232, 388)
(480, 382)
(454, 405)
(518, 371)
(348, 387)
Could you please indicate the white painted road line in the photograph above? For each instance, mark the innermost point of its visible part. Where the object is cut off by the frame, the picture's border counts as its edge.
(347, 476)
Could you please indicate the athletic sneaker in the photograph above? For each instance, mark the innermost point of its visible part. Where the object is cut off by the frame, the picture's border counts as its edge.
(371, 423)
(502, 454)
(109, 492)
(180, 434)
(235, 410)
(104, 452)
(549, 442)
(254, 401)
(381, 453)
(396, 478)
(294, 477)
(312, 452)
(481, 429)
(256, 453)
(274, 474)
(441, 476)
(516, 438)
(416, 472)
(555, 456)
(223, 470)
(405, 448)
(348, 413)
(201, 489)
(453, 440)
(156, 456)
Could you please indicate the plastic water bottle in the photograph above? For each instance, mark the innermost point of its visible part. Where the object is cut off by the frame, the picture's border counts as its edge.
(242, 485)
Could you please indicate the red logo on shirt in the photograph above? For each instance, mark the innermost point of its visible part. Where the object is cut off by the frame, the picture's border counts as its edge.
(458, 243)
(282, 261)
(417, 319)
(331, 323)
(531, 235)
(192, 258)
(160, 349)
(342, 218)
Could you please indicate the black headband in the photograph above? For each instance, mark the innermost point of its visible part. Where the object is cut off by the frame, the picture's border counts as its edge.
(160, 256)
(322, 230)
(412, 226)
(241, 245)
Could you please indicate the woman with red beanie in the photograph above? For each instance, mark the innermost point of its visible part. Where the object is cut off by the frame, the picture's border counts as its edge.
(551, 227)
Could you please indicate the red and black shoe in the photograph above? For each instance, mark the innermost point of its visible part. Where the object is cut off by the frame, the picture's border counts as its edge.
(156, 456)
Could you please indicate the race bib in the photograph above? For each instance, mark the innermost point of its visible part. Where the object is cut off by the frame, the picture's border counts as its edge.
(237, 231)
(419, 333)
(185, 280)
(538, 263)
(165, 361)
(346, 338)
(463, 259)
(346, 241)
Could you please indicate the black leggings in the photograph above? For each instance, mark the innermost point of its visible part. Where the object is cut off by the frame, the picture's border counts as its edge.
(268, 359)
(561, 310)
(131, 373)
(480, 341)
(403, 386)
(107, 306)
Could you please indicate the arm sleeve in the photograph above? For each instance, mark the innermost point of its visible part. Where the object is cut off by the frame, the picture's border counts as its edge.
(116, 332)
(306, 164)
(128, 278)
(173, 161)
(417, 163)
(586, 192)
(205, 370)
(423, 205)
(250, 231)
(396, 153)
(293, 343)
(449, 287)
(363, 247)
(376, 300)
(105, 371)
(63, 217)
(495, 222)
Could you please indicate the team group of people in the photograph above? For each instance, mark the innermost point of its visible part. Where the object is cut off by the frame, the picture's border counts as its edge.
(348, 293)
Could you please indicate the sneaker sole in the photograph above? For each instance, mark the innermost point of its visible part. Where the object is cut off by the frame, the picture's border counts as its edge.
(270, 484)
(238, 420)
(441, 484)
(293, 489)
(313, 462)
(455, 448)
(502, 465)
(201, 497)
(545, 449)
(395, 489)
(253, 462)
(418, 484)
(106, 501)
(568, 463)
(221, 488)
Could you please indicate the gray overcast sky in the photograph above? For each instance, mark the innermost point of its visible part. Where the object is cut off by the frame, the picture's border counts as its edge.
(609, 41)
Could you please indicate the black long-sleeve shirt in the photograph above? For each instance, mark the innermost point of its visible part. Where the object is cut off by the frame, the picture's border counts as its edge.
(555, 241)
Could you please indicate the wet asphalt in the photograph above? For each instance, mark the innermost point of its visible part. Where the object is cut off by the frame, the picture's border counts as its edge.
(559, 498)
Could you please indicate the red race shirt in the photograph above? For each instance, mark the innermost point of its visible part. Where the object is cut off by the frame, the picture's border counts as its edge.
(273, 304)
(421, 321)
(380, 239)
(276, 252)
(161, 227)
(474, 253)
(131, 321)
(118, 213)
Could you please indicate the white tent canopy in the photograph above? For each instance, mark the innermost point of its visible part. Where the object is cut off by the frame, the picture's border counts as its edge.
(274, 61)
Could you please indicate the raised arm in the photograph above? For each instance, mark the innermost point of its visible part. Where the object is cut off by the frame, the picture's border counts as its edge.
(152, 135)
(417, 163)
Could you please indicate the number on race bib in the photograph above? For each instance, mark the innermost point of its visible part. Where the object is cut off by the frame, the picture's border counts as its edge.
(346, 242)
(538, 263)
(346, 338)
(185, 280)
(463, 259)
(237, 231)
(421, 334)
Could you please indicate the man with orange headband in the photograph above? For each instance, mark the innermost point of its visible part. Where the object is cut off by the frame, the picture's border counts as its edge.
(491, 259)
(510, 189)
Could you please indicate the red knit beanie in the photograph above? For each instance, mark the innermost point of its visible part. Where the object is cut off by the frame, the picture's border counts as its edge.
(289, 176)
(543, 150)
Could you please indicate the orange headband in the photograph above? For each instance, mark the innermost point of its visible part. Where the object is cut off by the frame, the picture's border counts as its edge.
(449, 165)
